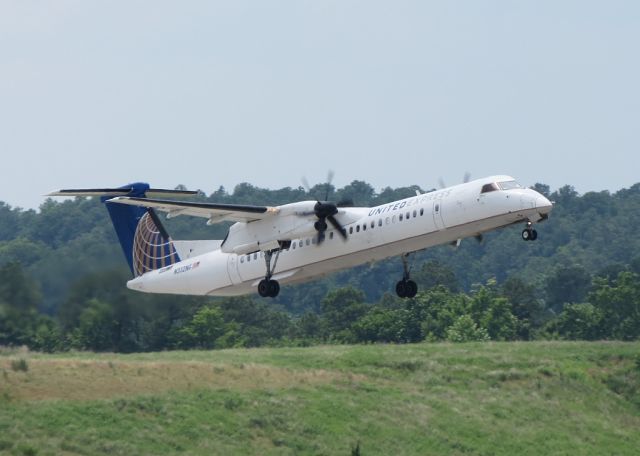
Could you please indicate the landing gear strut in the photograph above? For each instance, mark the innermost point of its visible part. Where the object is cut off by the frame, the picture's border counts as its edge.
(406, 288)
(268, 287)
(529, 234)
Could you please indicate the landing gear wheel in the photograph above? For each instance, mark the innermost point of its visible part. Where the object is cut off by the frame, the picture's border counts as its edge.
(274, 288)
(529, 234)
(412, 289)
(406, 289)
(268, 288)
(401, 289)
(263, 288)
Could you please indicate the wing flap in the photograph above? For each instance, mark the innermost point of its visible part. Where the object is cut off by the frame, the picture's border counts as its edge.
(214, 212)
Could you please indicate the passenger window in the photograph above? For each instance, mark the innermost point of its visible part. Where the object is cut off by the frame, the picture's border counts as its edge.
(393, 219)
(350, 230)
(400, 217)
(255, 256)
(415, 214)
(421, 212)
(293, 245)
(300, 244)
(379, 222)
(330, 234)
(408, 215)
(373, 224)
(248, 258)
(242, 259)
(357, 228)
(308, 241)
(364, 227)
(313, 240)
(387, 220)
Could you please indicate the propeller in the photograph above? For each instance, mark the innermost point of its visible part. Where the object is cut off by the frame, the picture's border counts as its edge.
(466, 178)
(326, 211)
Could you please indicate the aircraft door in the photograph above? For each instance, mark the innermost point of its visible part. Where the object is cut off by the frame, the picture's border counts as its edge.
(437, 215)
(232, 269)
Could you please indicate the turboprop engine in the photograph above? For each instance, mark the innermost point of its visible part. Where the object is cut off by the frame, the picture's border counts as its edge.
(291, 221)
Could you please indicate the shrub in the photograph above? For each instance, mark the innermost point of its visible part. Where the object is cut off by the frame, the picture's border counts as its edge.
(464, 329)
(19, 365)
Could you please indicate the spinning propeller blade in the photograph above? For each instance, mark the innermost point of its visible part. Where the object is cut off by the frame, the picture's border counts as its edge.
(326, 210)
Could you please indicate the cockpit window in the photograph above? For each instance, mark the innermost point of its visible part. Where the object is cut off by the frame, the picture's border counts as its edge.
(509, 185)
(492, 187)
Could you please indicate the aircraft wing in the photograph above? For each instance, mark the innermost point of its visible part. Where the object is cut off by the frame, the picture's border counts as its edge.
(215, 213)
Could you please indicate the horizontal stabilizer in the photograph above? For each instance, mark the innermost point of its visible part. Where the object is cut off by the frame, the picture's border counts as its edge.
(123, 191)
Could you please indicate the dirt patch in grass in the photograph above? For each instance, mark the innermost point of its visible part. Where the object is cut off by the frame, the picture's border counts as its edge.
(87, 380)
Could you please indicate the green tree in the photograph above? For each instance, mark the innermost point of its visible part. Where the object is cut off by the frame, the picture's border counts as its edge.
(358, 192)
(96, 327)
(432, 312)
(619, 304)
(567, 284)
(498, 320)
(464, 329)
(525, 305)
(382, 324)
(257, 323)
(482, 299)
(17, 289)
(582, 321)
(206, 326)
(341, 308)
(434, 273)
(19, 298)
(309, 326)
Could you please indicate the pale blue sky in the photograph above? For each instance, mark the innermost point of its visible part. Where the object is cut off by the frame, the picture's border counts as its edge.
(205, 93)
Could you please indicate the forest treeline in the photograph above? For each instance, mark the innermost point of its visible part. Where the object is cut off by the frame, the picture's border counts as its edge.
(63, 274)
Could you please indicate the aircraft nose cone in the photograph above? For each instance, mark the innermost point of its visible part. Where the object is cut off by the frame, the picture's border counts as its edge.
(543, 203)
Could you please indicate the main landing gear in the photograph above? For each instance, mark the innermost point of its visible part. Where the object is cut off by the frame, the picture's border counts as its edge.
(269, 288)
(529, 234)
(406, 288)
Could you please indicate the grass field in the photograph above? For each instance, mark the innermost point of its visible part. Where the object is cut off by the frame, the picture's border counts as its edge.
(474, 399)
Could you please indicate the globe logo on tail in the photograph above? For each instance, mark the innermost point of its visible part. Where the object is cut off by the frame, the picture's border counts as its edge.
(152, 249)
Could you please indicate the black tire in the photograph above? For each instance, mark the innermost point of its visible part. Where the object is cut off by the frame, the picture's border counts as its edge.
(526, 234)
(534, 235)
(274, 288)
(263, 288)
(412, 289)
(401, 289)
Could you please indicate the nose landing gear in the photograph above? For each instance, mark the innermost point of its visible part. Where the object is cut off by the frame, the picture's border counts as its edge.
(406, 288)
(529, 234)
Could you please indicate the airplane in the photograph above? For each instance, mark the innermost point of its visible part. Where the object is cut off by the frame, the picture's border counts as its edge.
(297, 242)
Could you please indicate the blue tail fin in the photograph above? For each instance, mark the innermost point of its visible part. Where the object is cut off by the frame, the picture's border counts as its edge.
(146, 244)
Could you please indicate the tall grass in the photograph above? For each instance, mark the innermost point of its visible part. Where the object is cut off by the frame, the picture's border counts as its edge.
(491, 398)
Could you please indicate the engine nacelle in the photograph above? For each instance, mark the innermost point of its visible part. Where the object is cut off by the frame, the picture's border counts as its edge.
(290, 221)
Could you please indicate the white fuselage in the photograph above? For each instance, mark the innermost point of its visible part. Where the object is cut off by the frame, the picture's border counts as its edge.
(393, 229)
